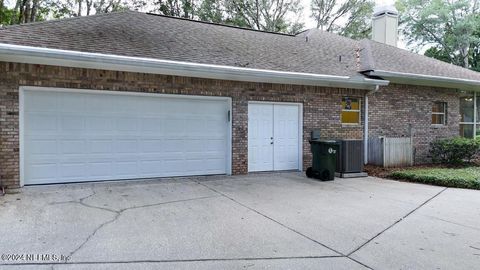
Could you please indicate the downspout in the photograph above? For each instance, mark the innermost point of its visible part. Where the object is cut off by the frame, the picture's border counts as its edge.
(365, 125)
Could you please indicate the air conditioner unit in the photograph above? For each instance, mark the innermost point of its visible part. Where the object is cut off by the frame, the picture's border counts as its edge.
(350, 158)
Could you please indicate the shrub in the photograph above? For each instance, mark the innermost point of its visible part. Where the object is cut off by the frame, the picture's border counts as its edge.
(454, 150)
(448, 177)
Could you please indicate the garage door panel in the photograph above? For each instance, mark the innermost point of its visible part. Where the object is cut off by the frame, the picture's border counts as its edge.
(100, 169)
(100, 146)
(41, 102)
(126, 146)
(41, 122)
(43, 172)
(101, 103)
(151, 145)
(71, 123)
(153, 124)
(106, 137)
(73, 170)
(126, 125)
(126, 169)
(43, 146)
(69, 102)
(99, 123)
(150, 167)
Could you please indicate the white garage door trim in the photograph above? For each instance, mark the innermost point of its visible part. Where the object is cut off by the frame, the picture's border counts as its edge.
(300, 127)
(22, 90)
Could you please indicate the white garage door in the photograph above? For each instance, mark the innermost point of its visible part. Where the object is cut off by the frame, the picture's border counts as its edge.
(94, 135)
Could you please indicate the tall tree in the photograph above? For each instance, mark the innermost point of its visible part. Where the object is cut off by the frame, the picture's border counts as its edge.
(351, 18)
(176, 8)
(267, 15)
(7, 15)
(211, 11)
(447, 25)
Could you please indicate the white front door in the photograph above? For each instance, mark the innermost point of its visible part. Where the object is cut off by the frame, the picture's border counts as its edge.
(273, 137)
(76, 136)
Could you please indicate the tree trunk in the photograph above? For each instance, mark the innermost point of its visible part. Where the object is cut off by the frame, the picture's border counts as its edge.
(79, 8)
(21, 11)
(89, 6)
(33, 11)
(464, 53)
(26, 15)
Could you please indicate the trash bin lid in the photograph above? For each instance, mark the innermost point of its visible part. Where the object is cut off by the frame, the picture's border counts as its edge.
(325, 141)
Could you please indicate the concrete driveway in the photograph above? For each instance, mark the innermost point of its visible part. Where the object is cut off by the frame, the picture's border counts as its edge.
(260, 221)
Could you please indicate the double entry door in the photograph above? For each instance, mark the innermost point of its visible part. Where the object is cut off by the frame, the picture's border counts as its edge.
(273, 136)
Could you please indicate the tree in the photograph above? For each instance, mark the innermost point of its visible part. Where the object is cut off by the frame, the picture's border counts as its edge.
(6, 14)
(176, 8)
(211, 11)
(328, 14)
(438, 53)
(26, 11)
(266, 15)
(447, 25)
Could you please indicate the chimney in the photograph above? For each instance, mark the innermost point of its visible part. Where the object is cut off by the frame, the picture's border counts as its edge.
(385, 25)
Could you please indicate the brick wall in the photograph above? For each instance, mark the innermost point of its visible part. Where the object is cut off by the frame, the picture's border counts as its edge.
(321, 106)
(396, 108)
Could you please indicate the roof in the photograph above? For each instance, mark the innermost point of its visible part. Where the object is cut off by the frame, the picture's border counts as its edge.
(136, 34)
(379, 56)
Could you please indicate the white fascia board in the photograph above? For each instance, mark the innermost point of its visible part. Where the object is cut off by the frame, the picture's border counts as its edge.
(67, 58)
(427, 80)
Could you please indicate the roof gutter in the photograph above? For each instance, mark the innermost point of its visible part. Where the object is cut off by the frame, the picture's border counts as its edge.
(428, 80)
(67, 58)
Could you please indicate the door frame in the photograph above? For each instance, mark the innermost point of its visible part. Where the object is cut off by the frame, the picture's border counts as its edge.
(300, 126)
(21, 115)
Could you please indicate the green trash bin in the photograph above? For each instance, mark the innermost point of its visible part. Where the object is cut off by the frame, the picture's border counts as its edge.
(324, 160)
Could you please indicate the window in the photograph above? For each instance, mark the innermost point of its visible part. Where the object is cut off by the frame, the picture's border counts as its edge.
(350, 111)
(439, 112)
(468, 115)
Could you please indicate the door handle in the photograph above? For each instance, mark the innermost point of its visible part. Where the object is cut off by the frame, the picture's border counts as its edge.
(271, 138)
(271, 143)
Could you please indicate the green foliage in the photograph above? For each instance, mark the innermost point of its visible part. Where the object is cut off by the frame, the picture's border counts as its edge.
(454, 150)
(266, 15)
(359, 24)
(329, 16)
(451, 26)
(439, 54)
(176, 8)
(7, 15)
(211, 11)
(447, 177)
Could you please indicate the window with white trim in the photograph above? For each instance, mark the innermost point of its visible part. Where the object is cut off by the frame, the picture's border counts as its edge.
(439, 113)
(350, 111)
(470, 115)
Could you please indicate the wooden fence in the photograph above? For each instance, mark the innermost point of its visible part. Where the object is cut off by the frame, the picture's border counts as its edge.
(390, 152)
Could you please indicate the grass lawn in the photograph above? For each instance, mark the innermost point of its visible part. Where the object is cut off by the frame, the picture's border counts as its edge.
(468, 177)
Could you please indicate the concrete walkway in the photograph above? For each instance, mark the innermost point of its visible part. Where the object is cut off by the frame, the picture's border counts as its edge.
(259, 221)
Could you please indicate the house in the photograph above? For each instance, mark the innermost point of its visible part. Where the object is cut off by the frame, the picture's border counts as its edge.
(131, 95)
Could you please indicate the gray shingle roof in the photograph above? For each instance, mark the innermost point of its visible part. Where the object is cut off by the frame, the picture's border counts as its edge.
(379, 56)
(145, 35)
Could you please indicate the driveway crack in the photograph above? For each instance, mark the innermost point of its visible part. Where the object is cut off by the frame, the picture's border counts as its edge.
(118, 213)
(340, 254)
(397, 221)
